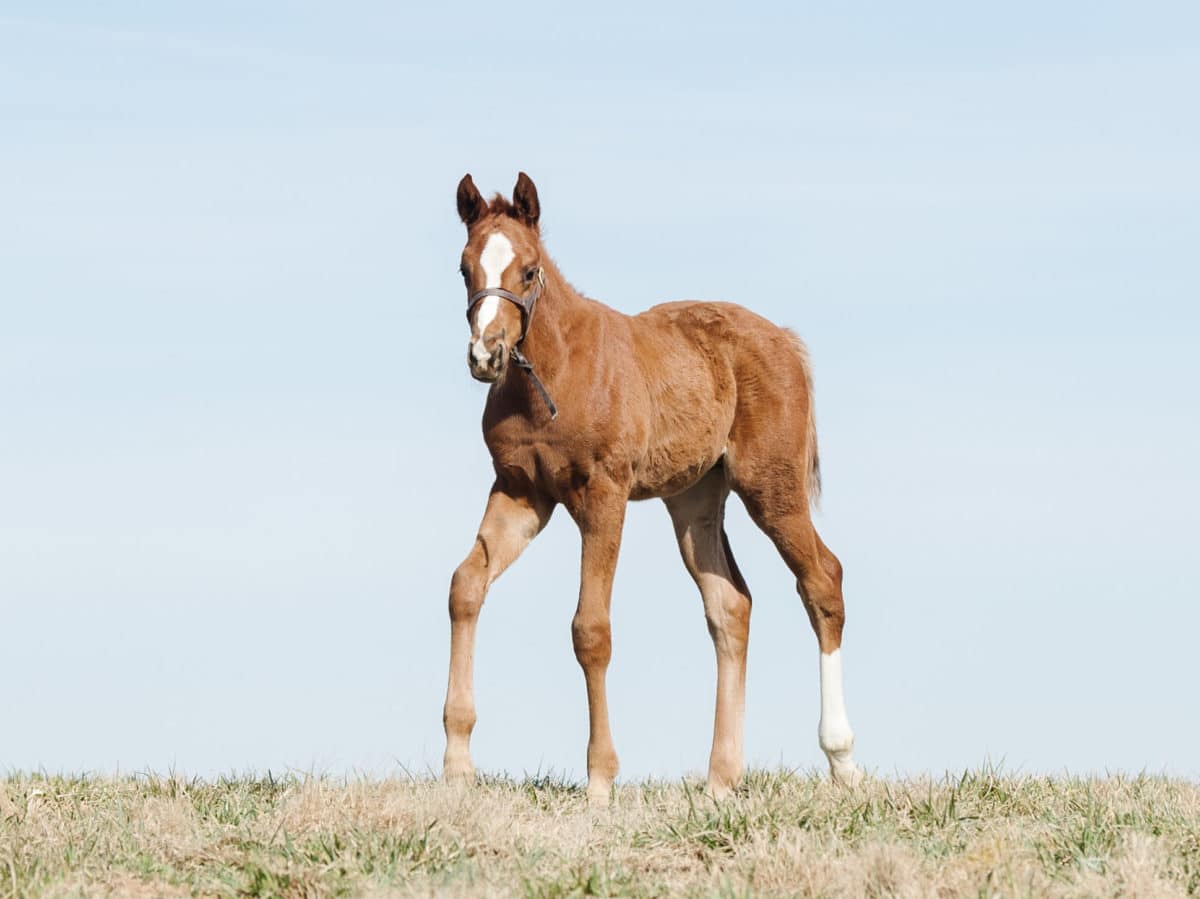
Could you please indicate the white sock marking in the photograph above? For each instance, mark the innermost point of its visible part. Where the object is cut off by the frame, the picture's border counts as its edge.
(834, 730)
(497, 255)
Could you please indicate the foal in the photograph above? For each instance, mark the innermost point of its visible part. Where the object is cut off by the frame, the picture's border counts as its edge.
(685, 402)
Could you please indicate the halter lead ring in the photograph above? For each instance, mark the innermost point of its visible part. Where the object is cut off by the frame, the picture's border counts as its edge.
(526, 304)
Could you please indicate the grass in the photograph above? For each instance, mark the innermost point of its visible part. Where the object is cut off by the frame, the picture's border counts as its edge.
(983, 834)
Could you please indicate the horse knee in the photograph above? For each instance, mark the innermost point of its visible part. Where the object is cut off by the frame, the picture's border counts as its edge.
(467, 588)
(592, 638)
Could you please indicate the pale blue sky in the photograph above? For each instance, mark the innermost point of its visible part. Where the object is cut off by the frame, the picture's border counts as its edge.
(240, 451)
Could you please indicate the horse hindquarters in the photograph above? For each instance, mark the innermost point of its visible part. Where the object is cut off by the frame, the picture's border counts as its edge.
(773, 468)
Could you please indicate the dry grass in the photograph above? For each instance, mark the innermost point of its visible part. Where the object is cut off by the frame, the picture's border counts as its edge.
(984, 834)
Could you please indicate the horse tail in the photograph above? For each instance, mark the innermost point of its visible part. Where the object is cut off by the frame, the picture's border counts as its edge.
(812, 458)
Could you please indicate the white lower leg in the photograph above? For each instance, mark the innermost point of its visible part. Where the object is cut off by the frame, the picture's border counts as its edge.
(833, 732)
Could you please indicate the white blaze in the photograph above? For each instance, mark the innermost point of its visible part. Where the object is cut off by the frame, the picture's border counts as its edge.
(497, 255)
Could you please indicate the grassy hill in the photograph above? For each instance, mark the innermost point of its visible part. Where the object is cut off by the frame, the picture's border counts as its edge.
(981, 834)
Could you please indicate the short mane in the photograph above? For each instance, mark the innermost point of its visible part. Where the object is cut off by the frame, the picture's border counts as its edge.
(501, 206)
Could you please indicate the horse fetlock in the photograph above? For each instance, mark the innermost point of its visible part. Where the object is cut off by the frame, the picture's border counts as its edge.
(837, 742)
(603, 762)
(836, 737)
(599, 792)
(602, 771)
(458, 719)
(457, 767)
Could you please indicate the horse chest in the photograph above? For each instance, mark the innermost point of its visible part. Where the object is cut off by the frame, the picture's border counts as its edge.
(554, 466)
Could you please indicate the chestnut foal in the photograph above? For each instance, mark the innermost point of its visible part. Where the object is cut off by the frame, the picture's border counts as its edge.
(686, 402)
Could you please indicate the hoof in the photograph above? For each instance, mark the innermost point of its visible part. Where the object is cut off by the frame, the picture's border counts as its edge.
(845, 773)
(717, 792)
(719, 789)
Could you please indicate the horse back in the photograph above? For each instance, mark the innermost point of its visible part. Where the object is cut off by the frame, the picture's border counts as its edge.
(708, 370)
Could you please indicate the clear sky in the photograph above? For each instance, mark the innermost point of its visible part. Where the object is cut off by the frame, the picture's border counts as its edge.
(239, 447)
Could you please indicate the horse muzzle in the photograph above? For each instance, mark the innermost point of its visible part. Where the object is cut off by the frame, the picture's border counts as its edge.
(487, 359)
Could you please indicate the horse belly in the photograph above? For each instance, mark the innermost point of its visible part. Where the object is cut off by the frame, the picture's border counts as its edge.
(673, 465)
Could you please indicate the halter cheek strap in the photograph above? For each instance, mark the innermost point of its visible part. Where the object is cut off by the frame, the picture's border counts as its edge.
(526, 304)
(525, 365)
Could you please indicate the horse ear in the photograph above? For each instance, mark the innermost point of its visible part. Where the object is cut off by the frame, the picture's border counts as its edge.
(525, 200)
(470, 204)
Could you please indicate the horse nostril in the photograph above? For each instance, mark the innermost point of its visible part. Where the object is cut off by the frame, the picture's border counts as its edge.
(495, 341)
(487, 354)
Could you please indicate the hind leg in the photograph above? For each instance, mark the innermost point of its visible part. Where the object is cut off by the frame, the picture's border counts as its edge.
(819, 581)
(833, 731)
(698, 516)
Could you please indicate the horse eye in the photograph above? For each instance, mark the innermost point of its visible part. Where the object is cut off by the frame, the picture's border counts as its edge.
(529, 273)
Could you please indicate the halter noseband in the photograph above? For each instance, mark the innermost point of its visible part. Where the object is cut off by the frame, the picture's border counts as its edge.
(526, 304)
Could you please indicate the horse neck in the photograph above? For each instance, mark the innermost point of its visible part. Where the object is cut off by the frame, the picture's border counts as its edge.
(559, 310)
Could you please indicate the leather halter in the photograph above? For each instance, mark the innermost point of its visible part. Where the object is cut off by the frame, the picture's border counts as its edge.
(526, 304)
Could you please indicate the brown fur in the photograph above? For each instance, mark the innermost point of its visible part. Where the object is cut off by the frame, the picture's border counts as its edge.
(686, 402)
